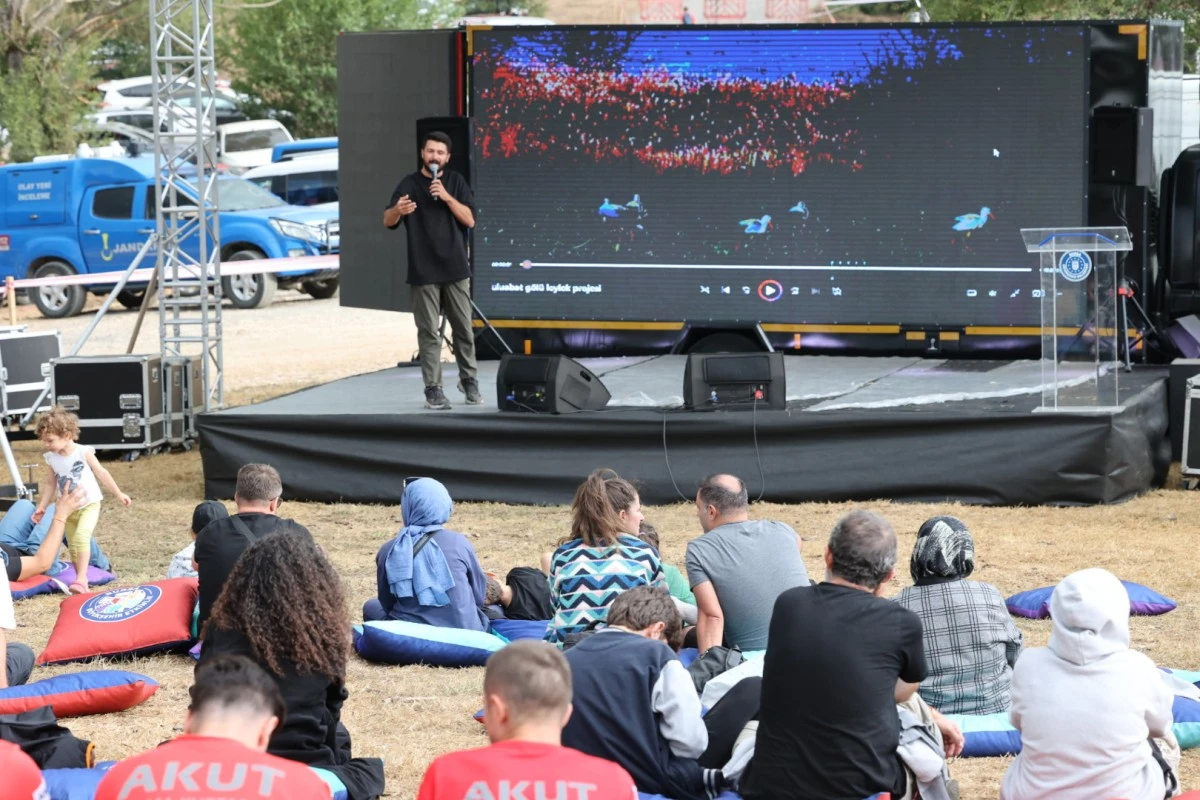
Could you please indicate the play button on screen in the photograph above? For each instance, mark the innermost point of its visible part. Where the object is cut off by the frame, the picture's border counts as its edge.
(770, 290)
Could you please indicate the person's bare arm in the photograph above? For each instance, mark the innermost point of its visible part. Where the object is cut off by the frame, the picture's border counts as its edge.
(905, 690)
(106, 479)
(710, 619)
(392, 216)
(461, 211)
(952, 736)
(47, 491)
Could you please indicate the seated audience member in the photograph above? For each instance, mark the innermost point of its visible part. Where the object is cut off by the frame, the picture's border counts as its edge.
(428, 573)
(526, 702)
(1087, 705)
(20, 566)
(18, 657)
(283, 606)
(22, 778)
(635, 703)
(222, 542)
(971, 643)
(738, 567)
(234, 710)
(828, 726)
(525, 594)
(677, 585)
(602, 558)
(183, 563)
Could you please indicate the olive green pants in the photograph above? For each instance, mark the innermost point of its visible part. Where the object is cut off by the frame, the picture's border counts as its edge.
(429, 303)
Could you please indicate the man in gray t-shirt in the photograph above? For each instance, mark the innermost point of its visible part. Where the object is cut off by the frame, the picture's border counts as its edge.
(738, 567)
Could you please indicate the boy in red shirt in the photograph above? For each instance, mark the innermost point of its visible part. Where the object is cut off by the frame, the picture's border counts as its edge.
(22, 778)
(222, 754)
(527, 701)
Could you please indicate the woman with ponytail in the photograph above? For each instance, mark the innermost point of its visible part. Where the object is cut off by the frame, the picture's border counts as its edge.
(601, 558)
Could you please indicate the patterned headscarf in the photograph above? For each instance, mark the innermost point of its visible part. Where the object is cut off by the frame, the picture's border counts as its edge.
(944, 551)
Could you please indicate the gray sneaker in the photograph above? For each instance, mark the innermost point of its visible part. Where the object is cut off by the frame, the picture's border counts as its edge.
(470, 387)
(435, 399)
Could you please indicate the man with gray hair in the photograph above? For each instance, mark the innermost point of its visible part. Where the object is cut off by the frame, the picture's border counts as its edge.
(841, 658)
(738, 567)
(222, 542)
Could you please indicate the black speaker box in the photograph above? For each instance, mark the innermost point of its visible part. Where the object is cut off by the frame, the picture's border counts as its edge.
(1123, 146)
(1179, 220)
(548, 384)
(461, 131)
(734, 381)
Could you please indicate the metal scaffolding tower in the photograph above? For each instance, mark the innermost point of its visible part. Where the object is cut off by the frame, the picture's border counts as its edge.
(188, 266)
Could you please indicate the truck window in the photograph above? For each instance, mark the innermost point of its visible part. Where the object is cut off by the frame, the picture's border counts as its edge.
(311, 188)
(116, 203)
(263, 139)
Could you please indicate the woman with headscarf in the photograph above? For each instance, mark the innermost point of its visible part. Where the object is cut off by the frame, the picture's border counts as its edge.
(971, 643)
(1088, 706)
(428, 573)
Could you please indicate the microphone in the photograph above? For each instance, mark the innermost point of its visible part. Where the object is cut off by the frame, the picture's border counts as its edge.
(433, 170)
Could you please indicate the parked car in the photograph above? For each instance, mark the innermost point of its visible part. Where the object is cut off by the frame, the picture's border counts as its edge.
(242, 145)
(139, 92)
(303, 181)
(226, 111)
(94, 215)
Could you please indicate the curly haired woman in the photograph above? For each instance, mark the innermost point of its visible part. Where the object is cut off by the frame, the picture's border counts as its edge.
(284, 607)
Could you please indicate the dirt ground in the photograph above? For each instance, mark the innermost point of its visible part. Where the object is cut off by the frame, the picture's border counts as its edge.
(410, 715)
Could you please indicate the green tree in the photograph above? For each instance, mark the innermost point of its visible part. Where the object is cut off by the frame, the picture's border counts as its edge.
(284, 54)
(1188, 11)
(124, 52)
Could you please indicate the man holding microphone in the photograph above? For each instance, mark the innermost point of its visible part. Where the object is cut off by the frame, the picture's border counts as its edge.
(437, 209)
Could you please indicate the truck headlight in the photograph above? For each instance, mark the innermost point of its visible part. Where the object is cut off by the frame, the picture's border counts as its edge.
(298, 230)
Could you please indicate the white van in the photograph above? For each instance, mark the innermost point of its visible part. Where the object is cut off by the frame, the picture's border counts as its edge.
(243, 145)
(305, 180)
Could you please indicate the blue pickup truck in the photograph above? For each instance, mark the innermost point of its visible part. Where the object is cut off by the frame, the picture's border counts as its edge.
(93, 215)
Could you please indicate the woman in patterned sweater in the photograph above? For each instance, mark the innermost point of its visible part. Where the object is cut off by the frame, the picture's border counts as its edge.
(602, 557)
(971, 643)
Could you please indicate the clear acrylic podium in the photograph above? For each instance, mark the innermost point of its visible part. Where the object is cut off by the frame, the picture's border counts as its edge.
(1081, 331)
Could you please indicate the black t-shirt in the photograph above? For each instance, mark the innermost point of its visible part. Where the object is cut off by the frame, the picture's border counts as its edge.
(530, 594)
(221, 544)
(437, 243)
(828, 728)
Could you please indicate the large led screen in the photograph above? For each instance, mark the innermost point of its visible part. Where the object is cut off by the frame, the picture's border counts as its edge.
(837, 174)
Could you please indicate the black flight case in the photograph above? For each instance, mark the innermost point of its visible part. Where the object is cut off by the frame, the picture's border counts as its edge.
(119, 399)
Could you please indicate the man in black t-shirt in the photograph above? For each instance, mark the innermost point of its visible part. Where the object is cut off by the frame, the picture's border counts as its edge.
(841, 658)
(221, 543)
(437, 208)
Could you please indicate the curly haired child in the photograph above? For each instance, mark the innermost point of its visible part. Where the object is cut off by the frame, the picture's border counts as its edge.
(72, 465)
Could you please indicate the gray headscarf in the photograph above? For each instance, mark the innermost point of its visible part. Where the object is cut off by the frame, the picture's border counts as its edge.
(944, 552)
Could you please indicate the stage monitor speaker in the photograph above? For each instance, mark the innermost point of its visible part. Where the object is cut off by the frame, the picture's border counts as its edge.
(461, 131)
(734, 381)
(548, 384)
(1123, 146)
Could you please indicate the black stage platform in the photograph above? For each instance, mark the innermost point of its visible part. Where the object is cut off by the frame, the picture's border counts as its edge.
(855, 429)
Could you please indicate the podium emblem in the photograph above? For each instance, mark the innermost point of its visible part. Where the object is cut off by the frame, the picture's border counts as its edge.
(1075, 265)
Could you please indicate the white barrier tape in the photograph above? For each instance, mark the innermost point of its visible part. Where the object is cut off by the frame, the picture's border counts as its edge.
(228, 269)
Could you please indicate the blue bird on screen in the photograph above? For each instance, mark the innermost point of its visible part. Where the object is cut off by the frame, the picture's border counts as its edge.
(635, 203)
(973, 222)
(757, 225)
(608, 209)
(800, 208)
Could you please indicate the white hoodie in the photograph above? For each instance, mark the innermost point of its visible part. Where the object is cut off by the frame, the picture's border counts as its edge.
(1087, 704)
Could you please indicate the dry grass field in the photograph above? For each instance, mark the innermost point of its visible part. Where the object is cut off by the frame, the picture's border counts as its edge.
(409, 715)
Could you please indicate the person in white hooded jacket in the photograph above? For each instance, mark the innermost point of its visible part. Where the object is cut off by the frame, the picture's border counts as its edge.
(1087, 706)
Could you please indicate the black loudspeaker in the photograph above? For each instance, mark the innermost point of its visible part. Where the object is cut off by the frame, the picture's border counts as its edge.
(734, 381)
(548, 384)
(461, 131)
(1123, 146)
(1179, 221)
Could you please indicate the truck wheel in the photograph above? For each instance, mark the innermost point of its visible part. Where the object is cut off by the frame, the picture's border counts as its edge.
(131, 298)
(249, 291)
(57, 302)
(320, 290)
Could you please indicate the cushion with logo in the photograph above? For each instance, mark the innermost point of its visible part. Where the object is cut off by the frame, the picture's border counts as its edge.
(512, 630)
(58, 582)
(80, 693)
(403, 643)
(1143, 602)
(133, 620)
